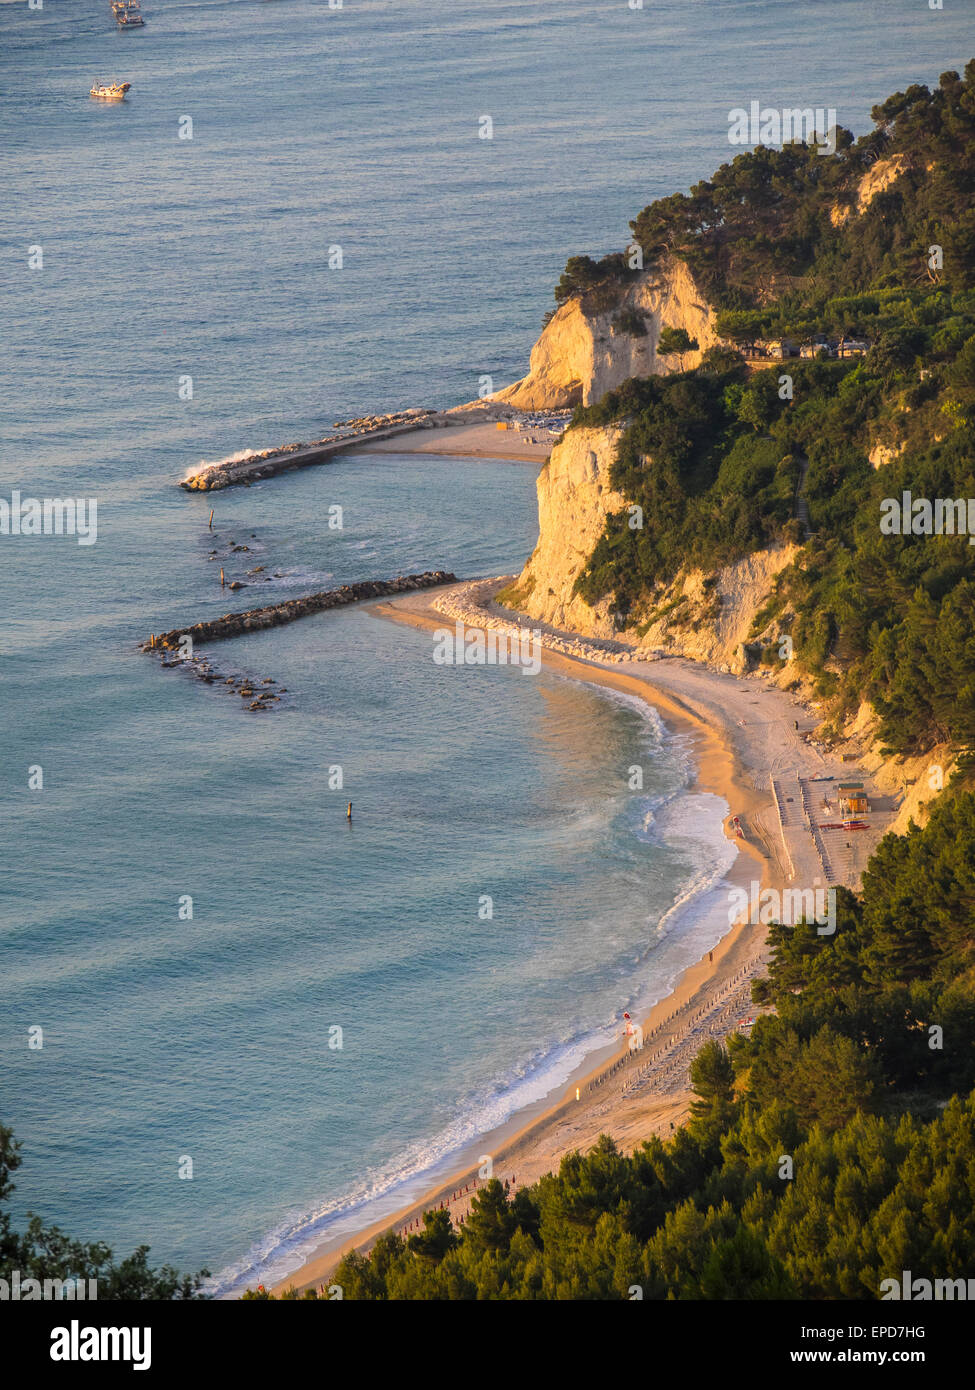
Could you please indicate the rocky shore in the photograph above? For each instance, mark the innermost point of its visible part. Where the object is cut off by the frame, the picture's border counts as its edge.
(258, 693)
(473, 604)
(277, 614)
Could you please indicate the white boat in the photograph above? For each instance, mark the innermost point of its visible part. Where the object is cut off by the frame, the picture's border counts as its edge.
(128, 14)
(114, 92)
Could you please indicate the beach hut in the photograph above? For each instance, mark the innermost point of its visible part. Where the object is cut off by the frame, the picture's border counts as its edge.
(853, 799)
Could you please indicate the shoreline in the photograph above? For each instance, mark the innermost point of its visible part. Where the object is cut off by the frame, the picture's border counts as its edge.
(533, 1140)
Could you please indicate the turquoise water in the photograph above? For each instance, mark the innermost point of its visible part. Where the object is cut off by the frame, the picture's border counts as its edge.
(209, 1037)
(208, 258)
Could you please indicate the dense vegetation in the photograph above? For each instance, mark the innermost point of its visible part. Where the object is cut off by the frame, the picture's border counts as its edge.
(47, 1253)
(714, 457)
(711, 486)
(831, 1150)
(761, 232)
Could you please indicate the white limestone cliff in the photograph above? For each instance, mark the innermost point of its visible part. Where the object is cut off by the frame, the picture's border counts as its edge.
(581, 355)
(707, 617)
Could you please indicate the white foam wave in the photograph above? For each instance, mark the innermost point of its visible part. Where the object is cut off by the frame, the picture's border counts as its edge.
(695, 823)
(214, 463)
(404, 1180)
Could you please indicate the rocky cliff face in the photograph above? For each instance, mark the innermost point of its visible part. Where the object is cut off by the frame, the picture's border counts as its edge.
(881, 454)
(875, 180)
(707, 617)
(574, 498)
(581, 355)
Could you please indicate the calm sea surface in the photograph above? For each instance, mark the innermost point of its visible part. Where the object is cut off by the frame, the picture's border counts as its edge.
(201, 265)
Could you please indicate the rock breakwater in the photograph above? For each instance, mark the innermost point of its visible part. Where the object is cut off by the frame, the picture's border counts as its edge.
(248, 467)
(277, 614)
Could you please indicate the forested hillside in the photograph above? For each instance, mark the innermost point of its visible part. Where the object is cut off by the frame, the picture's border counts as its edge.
(767, 231)
(715, 456)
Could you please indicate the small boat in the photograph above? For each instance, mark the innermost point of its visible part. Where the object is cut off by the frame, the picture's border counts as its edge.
(128, 14)
(114, 92)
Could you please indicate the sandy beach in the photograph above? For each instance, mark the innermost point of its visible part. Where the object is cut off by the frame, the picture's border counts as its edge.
(743, 735)
(482, 440)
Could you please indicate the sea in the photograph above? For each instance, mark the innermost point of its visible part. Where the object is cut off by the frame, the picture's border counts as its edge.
(232, 1022)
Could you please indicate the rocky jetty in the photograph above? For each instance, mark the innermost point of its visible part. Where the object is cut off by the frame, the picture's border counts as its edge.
(277, 614)
(211, 477)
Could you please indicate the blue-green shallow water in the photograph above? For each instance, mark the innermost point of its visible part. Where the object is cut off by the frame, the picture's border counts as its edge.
(210, 1037)
(209, 258)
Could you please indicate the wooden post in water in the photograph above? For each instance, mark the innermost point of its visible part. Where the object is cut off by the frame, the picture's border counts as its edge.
(348, 814)
(210, 523)
(221, 579)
